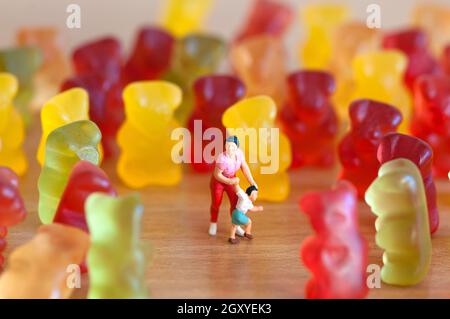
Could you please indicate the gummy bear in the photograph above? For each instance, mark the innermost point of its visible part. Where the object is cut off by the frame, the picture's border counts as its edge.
(260, 62)
(434, 19)
(308, 118)
(145, 137)
(42, 267)
(268, 152)
(12, 209)
(351, 38)
(68, 106)
(102, 56)
(65, 146)
(370, 121)
(105, 106)
(395, 145)
(267, 17)
(337, 254)
(413, 43)
(150, 57)
(213, 95)
(23, 63)
(85, 179)
(55, 65)
(12, 129)
(397, 197)
(182, 17)
(321, 20)
(379, 76)
(98, 67)
(194, 55)
(116, 260)
(431, 120)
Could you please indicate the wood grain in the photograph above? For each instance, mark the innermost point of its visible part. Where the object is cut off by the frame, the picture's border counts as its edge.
(185, 262)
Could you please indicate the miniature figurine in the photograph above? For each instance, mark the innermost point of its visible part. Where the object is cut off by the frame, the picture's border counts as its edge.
(224, 180)
(239, 217)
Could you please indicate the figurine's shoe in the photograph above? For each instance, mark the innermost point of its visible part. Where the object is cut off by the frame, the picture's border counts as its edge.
(239, 231)
(233, 241)
(213, 229)
(249, 236)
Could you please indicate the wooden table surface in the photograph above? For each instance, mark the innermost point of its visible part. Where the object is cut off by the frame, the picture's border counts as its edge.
(185, 262)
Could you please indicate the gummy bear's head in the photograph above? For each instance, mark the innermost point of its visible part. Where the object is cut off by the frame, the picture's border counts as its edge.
(215, 93)
(332, 211)
(260, 63)
(396, 145)
(370, 121)
(407, 41)
(267, 17)
(13, 209)
(103, 56)
(432, 102)
(152, 51)
(310, 92)
(383, 68)
(196, 55)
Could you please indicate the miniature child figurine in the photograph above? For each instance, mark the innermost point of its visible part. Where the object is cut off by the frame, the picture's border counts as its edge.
(224, 180)
(239, 217)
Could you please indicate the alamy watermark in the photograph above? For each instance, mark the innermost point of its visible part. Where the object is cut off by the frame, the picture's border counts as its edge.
(261, 144)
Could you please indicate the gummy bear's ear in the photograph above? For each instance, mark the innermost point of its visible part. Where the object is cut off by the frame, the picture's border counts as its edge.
(8, 87)
(358, 111)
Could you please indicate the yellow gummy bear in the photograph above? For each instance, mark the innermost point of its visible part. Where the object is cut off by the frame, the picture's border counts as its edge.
(182, 17)
(266, 149)
(379, 76)
(12, 129)
(320, 21)
(69, 106)
(397, 197)
(145, 136)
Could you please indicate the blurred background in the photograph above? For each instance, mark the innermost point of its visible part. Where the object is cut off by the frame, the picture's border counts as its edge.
(123, 18)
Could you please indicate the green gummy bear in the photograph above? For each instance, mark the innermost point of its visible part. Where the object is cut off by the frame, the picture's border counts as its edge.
(115, 259)
(65, 146)
(194, 55)
(397, 197)
(23, 63)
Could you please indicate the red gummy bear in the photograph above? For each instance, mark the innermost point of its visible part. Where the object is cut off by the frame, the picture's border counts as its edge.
(308, 118)
(414, 44)
(12, 208)
(370, 121)
(337, 253)
(85, 179)
(213, 95)
(445, 60)
(151, 55)
(431, 119)
(267, 17)
(396, 145)
(103, 56)
(98, 70)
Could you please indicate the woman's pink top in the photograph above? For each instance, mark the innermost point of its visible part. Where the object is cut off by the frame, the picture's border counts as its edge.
(228, 165)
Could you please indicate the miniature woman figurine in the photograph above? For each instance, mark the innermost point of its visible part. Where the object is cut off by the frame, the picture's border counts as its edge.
(239, 217)
(224, 180)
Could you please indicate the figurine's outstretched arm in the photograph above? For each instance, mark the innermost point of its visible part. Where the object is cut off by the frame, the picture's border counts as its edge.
(247, 173)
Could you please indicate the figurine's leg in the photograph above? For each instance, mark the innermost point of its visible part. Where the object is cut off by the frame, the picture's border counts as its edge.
(217, 189)
(231, 193)
(233, 231)
(248, 229)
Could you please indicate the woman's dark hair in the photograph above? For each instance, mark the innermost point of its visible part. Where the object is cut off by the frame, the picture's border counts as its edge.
(232, 139)
(250, 189)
